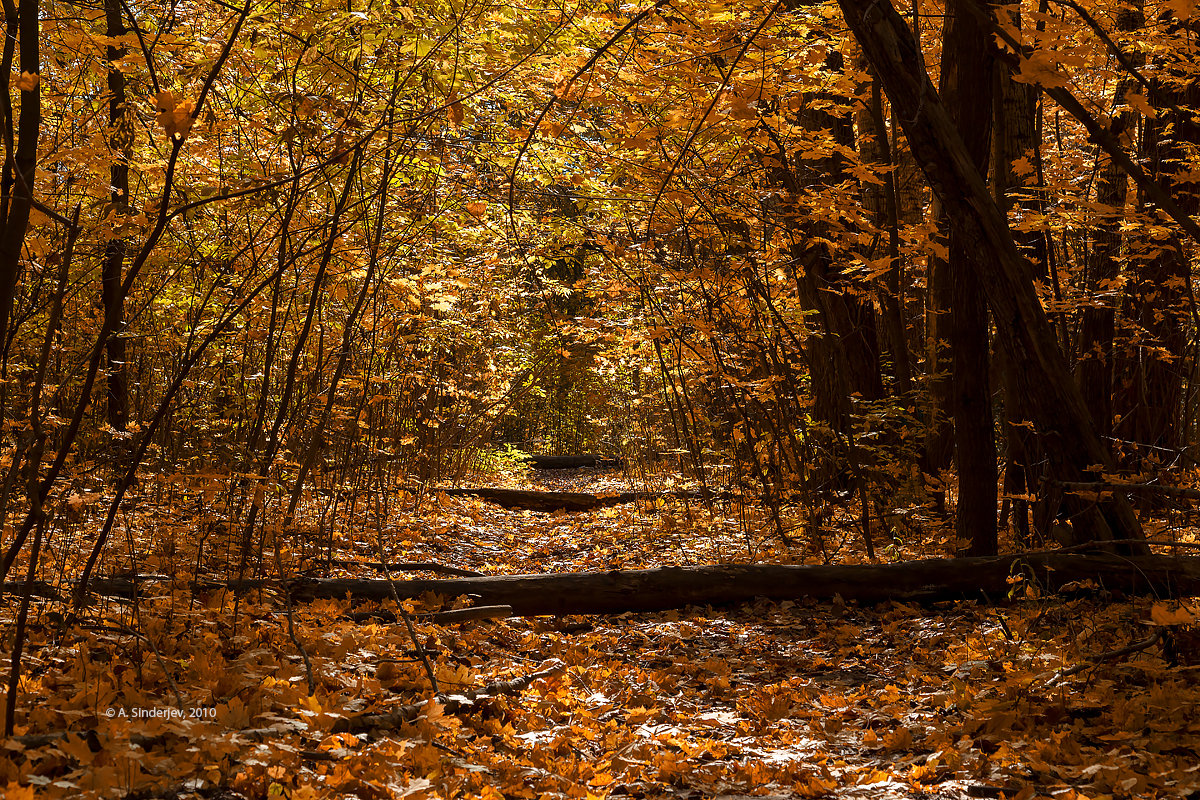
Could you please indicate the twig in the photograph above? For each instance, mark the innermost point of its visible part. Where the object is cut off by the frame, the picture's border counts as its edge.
(404, 615)
(287, 599)
(452, 702)
(1111, 655)
(454, 615)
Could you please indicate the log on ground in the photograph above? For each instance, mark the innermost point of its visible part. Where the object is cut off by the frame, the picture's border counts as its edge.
(573, 462)
(932, 580)
(545, 501)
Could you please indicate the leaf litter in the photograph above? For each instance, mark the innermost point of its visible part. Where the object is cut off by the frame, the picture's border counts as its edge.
(205, 695)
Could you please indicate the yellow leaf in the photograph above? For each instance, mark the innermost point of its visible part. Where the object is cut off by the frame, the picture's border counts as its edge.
(27, 81)
(1139, 103)
(1162, 614)
(1041, 68)
(174, 114)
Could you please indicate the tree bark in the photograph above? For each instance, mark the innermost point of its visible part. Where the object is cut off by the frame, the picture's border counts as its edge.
(111, 274)
(1070, 443)
(882, 201)
(1015, 154)
(23, 33)
(1149, 400)
(967, 85)
(933, 580)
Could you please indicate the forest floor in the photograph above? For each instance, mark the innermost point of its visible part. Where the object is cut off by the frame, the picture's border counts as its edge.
(179, 695)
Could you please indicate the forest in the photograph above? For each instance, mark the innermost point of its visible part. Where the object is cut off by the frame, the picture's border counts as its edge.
(587, 399)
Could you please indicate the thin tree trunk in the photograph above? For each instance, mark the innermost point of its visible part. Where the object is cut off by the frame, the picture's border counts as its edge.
(111, 277)
(882, 201)
(1015, 154)
(23, 31)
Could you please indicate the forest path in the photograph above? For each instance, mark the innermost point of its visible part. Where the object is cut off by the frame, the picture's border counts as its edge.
(472, 533)
(779, 700)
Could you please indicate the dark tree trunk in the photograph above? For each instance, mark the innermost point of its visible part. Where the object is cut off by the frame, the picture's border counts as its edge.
(22, 34)
(844, 356)
(967, 86)
(1098, 328)
(1015, 154)
(121, 142)
(1068, 438)
(883, 204)
(939, 425)
(1150, 393)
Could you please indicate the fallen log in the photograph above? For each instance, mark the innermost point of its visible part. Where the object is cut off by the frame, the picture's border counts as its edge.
(532, 500)
(545, 501)
(573, 462)
(933, 580)
(402, 566)
(619, 591)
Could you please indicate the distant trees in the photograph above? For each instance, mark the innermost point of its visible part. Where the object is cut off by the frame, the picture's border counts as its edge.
(324, 247)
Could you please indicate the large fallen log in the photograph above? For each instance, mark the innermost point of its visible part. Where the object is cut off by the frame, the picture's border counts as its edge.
(618, 591)
(572, 462)
(932, 580)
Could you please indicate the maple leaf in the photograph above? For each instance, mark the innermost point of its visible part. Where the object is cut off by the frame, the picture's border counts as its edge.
(1162, 614)
(173, 114)
(1139, 103)
(27, 81)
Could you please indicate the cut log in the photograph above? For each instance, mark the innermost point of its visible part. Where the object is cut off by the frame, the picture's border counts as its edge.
(572, 462)
(932, 580)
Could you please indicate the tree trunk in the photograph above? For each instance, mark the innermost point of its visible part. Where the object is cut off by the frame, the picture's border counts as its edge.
(1069, 440)
(1149, 399)
(967, 87)
(572, 462)
(939, 425)
(23, 32)
(619, 591)
(121, 142)
(883, 204)
(1015, 153)
(532, 500)
(844, 356)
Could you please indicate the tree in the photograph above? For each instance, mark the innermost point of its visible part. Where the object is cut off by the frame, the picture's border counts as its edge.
(967, 84)
(1065, 429)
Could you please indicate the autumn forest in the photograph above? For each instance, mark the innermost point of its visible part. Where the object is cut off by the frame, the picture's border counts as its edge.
(463, 399)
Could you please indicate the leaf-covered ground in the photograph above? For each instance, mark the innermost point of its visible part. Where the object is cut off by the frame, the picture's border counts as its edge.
(179, 695)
